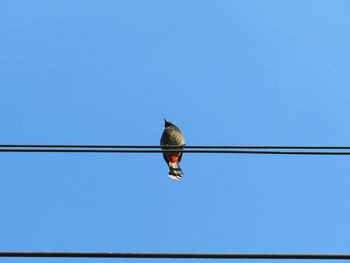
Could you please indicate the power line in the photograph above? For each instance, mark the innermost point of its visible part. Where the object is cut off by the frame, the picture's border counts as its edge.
(177, 150)
(173, 255)
(79, 148)
(158, 146)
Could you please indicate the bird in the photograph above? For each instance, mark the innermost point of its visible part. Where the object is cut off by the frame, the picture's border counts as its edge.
(172, 136)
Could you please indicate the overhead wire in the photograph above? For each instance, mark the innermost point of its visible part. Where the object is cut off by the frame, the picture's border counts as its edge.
(159, 146)
(172, 255)
(76, 148)
(177, 150)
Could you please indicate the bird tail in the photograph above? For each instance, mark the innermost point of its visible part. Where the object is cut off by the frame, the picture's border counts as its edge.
(175, 171)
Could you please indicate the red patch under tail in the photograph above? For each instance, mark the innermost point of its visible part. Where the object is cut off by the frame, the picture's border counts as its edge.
(173, 158)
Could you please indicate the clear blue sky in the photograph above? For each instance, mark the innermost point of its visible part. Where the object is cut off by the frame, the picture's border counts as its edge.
(227, 72)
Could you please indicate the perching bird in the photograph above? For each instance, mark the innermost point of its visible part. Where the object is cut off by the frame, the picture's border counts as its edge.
(172, 136)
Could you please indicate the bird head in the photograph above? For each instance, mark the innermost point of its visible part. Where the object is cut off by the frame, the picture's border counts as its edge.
(167, 123)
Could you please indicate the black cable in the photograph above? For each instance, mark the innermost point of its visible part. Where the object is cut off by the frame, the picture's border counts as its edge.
(173, 255)
(177, 150)
(158, 146)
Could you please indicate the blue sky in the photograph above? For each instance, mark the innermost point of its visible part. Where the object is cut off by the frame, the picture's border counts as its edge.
(226, 72)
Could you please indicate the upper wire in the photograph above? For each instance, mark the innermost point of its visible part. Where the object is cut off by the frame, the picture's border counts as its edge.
(173, 146)
(216, 256)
